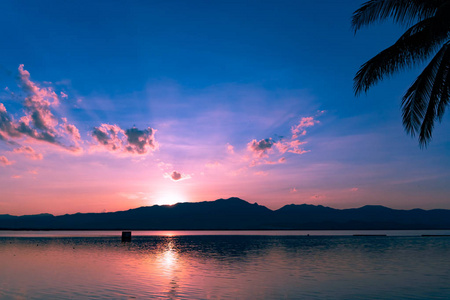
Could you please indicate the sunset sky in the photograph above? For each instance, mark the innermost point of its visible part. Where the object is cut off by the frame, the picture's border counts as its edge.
(111, 105)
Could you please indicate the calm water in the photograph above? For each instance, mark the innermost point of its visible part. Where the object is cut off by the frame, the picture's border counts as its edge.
(223, 265)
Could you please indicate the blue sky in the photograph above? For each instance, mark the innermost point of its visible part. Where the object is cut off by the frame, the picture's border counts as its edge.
(200, 81)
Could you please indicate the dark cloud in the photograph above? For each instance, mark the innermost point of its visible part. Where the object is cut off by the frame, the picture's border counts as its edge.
(107, 136)
(140, 141)
(6, 124)
(130, 141)
(177, 176)
(260, 148)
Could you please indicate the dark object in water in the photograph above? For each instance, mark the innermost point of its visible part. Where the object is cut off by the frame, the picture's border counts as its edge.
(126, 236)
(435, 235)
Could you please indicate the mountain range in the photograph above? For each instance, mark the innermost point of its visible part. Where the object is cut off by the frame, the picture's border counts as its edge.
(236, 214)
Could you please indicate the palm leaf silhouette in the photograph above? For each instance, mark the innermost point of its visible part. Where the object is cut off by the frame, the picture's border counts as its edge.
(428, 35)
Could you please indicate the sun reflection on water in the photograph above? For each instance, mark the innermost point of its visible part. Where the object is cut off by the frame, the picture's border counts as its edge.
(169, 257)
(168, 263)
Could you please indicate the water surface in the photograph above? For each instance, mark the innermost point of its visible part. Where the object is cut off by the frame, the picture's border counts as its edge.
(221, 266)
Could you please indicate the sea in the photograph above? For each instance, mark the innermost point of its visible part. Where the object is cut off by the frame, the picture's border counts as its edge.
(225, 265)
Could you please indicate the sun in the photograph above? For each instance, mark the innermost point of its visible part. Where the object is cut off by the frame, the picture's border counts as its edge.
(169, 198)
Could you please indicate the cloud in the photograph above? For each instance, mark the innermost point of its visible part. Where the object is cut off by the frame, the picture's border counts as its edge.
(258, 162)
(71, 130)
(268, 151)
(29, 152)
(141, 141)
(293, 190)
(39, 122)
(4, 161)
(107, 136)
(213, 165)
(263, 149)
(38, 103)
(261, 173)
(230, 149)
(130, 141)
(177, 176)
(354, 189)
(290, 146)
(41, 95)
(164, 166)
(7, 126)
(299, 129)
(260, 148)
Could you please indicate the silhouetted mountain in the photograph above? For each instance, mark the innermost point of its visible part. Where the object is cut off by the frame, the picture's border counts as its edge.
(235, 213)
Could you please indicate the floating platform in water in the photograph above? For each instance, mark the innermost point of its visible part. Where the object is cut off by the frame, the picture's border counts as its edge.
(126, 236)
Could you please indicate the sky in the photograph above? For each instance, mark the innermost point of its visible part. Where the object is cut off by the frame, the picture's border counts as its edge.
(112, 105)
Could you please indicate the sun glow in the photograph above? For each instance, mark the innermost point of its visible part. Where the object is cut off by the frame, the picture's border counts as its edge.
(169, 198)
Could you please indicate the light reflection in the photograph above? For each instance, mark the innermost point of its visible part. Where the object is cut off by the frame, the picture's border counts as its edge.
(168, 262)
(169, 257)
(224, 267)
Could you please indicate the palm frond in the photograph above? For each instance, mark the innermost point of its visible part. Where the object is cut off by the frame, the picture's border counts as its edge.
(415, 45)
(445, 97)
(421, 101)
(436, 98)
(401, 11)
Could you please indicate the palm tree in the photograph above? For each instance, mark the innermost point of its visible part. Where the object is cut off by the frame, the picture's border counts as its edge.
(427, 98)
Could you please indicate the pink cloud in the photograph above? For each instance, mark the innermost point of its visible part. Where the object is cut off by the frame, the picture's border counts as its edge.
(230, 149)
(177, 176)
(5, 162)
(29, 152)
(290, 146)
(110, 137)
(261, 173)
(263, 149)
(299, 129)
(354, 189)
(38, 103)
(126, 142)
(39, 123)
(257, 162)
(260, 148)
(71, 130)
(43, 96)
(293, 190)
(299, 151)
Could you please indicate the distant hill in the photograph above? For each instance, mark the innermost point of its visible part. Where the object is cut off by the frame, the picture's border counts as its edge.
(235, 213)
